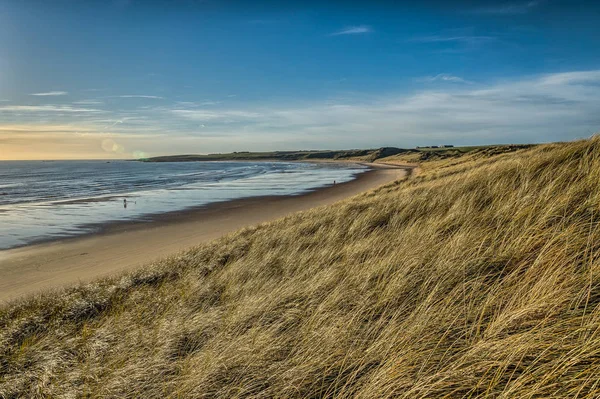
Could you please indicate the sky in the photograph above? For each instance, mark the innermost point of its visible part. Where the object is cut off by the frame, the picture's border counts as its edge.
(132, 78)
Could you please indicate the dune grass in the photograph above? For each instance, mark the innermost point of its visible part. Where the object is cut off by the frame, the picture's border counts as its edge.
(436, 158)
(479, 279)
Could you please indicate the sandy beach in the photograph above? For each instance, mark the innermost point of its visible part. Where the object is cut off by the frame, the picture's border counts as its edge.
(123, 246)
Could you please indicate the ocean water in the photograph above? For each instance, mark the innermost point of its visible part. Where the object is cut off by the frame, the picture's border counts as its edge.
(57, 199)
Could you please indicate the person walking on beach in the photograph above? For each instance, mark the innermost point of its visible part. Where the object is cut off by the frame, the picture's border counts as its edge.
(125, 203)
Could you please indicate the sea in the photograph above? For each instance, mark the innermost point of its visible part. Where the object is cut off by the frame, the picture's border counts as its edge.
(48, 200)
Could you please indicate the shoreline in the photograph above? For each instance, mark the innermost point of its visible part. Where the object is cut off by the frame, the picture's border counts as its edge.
(121, 246)
(113, 226)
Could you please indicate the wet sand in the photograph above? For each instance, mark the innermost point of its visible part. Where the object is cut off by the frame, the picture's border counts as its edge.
(124, 246)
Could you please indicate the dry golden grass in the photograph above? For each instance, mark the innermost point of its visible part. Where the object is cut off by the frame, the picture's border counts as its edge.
(480, 279)
(446, 157)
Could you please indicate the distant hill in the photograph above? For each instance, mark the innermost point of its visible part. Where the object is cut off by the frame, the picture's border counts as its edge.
(367, 155)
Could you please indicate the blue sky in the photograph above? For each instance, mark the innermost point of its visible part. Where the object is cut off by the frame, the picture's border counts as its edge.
(136, 78)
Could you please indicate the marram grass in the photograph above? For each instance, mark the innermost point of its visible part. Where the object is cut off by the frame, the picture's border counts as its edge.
(473, 279)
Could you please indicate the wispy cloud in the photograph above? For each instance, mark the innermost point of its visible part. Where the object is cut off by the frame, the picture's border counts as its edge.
(543, 108)
(467, 39)
(88, 102)
(50, 93)
(444, 77)
(455, 41)
(353, 30)
(43, 128)
(223, 116)
(509, 8)
(547, 107)
(570, 78)
(140, 96)
(111, 125)
(193, 104)
(45, 108)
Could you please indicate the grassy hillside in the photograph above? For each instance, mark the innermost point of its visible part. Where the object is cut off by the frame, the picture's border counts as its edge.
(479, 279)
(370, 154)
(391, 154)
(432, 158)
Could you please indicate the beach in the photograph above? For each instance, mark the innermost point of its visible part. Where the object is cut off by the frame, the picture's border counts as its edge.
(123, 246)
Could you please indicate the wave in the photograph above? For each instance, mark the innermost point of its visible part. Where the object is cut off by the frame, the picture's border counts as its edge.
(85, 194)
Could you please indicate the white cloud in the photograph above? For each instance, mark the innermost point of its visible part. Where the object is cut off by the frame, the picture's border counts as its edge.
(465, 39)
(543, 108)
(45, 108)
(140, 96)
(444, 77)
(42, 128)
(580, 77)
(455, 41)
(353, 30)
(89, 102)
(51, 93)
(548, 107)
(226, 116)
(193, 104)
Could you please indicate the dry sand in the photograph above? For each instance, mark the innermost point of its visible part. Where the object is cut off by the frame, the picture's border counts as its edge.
(124, 246)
